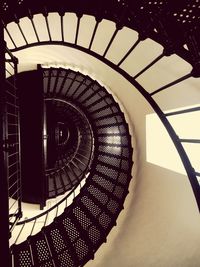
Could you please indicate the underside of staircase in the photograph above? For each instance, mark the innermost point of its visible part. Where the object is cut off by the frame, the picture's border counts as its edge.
(103, 153)
(87, 137)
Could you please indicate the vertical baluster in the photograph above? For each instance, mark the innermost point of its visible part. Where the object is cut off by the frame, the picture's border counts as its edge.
(111, 41)
(45, 14)
(46, 217)
(30, 16)
(22, 227)
(56, 211)
(62, 13)
(77, 27)
(20, 29)
(94, 32)
(9, 35)
(33, 227)
(149, 65)
(129, 52)
(172, 83)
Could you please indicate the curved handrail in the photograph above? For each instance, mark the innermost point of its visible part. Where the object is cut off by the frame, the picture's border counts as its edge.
(146, 18)
(148, 97)
(185, 160)
(181, 151)
(74, 188)
(126, 169)
(50, 209)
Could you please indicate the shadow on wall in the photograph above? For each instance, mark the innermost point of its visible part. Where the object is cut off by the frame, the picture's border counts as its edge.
(159, 227)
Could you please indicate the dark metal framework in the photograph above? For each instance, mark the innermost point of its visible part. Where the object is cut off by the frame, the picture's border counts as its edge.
(174, 25)
(11, 145)
(106, 185)
(11, 197)
(70, 154)
(135, 15)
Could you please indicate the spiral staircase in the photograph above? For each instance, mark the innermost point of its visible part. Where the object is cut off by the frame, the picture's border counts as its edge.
(74, 235)
(90, 168)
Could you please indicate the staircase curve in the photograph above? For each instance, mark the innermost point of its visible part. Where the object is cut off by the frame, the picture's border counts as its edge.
(181, 18)
(74, 236)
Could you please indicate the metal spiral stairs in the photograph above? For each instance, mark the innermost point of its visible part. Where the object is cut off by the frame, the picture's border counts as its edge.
(105, 133)
(74, 236)
(102, 159)
(72, 156)
(70, 159)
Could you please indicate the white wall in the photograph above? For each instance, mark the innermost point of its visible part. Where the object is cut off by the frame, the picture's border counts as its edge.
(159, 226)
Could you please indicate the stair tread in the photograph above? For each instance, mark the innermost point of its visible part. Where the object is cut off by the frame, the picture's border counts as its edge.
(61, 248)
(22, 254)
(40, 249)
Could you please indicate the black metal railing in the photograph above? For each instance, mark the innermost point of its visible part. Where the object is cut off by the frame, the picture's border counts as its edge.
(119, 67)
(64, 158)
(148, 95)
(30, 225)
(177, 35)
(110, 145)
(12, 140)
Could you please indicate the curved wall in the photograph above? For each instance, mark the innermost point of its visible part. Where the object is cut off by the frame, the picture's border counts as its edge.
(160, 225)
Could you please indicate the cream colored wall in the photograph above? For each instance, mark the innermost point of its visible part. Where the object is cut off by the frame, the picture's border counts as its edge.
(160, 225)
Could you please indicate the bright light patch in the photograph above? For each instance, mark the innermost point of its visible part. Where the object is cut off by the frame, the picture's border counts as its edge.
(161, 151)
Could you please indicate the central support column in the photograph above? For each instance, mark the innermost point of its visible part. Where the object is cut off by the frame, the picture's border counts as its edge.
(32, 119)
